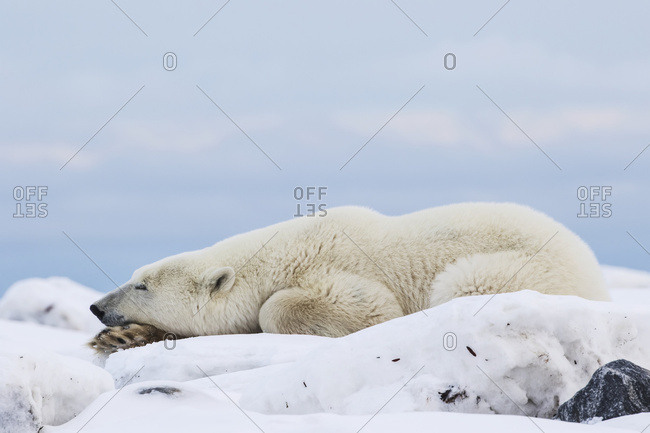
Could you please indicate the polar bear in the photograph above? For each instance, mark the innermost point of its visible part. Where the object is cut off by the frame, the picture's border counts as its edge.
(348, 270)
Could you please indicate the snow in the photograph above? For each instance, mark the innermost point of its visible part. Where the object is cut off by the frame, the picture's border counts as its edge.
(195, 407)
(40, 387)
(61, 341)
(218, 354)
(536, 350)
(627, 286)
(616, 277)
(46, 375)
(54, 301)
(635, 423)
(631, 296)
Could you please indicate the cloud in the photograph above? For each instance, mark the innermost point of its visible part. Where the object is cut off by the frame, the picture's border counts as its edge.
(192, 136)
(490, 129)
(138, 138)
(587, 122)
(437, 128)
(42, 153)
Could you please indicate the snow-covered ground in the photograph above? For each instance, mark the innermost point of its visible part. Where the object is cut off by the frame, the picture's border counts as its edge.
(503, 368)
(55, 301)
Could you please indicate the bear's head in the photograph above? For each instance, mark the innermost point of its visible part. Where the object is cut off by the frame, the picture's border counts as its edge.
(181, 295)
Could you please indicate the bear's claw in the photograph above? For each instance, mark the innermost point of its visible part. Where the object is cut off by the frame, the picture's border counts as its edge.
(114, 338)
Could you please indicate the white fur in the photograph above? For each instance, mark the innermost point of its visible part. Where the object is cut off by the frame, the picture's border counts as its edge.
(354, 268)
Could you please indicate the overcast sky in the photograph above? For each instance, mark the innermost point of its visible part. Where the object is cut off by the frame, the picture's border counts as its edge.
(546, 97)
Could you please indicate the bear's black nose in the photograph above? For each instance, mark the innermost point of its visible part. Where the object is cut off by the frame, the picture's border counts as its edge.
(96, 311)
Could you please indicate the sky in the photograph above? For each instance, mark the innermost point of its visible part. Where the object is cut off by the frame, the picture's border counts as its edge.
(266, 97)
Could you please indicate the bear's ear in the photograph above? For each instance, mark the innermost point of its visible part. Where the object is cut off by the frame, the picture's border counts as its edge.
(218, 280)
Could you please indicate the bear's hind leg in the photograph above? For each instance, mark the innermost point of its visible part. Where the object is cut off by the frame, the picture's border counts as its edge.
(502, 272)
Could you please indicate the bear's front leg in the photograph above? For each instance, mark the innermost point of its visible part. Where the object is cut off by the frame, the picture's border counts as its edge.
(113, 338)
(336, 307)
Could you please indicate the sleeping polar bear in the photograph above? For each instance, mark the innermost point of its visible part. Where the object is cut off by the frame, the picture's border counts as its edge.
(351, 269)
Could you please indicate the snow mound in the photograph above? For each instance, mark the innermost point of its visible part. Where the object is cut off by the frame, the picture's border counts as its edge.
(636, 297)
(39, 388)
(616, 277)
(45, 338)
(55, 301)
(633, 423)
(505, 354)
(217, 354)
(521, 352)
(172, 407)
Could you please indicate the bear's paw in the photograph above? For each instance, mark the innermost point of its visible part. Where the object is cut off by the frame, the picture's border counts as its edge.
(114, 338)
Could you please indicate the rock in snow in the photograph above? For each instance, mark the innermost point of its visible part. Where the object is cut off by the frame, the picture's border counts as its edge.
(511, 354)
(54, 301)
(505, 354)
(616, 389)
(521, 352)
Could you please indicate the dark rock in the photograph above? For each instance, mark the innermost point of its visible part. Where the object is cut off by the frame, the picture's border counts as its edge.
(168, 390)
(616, 389)
(450, 395)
